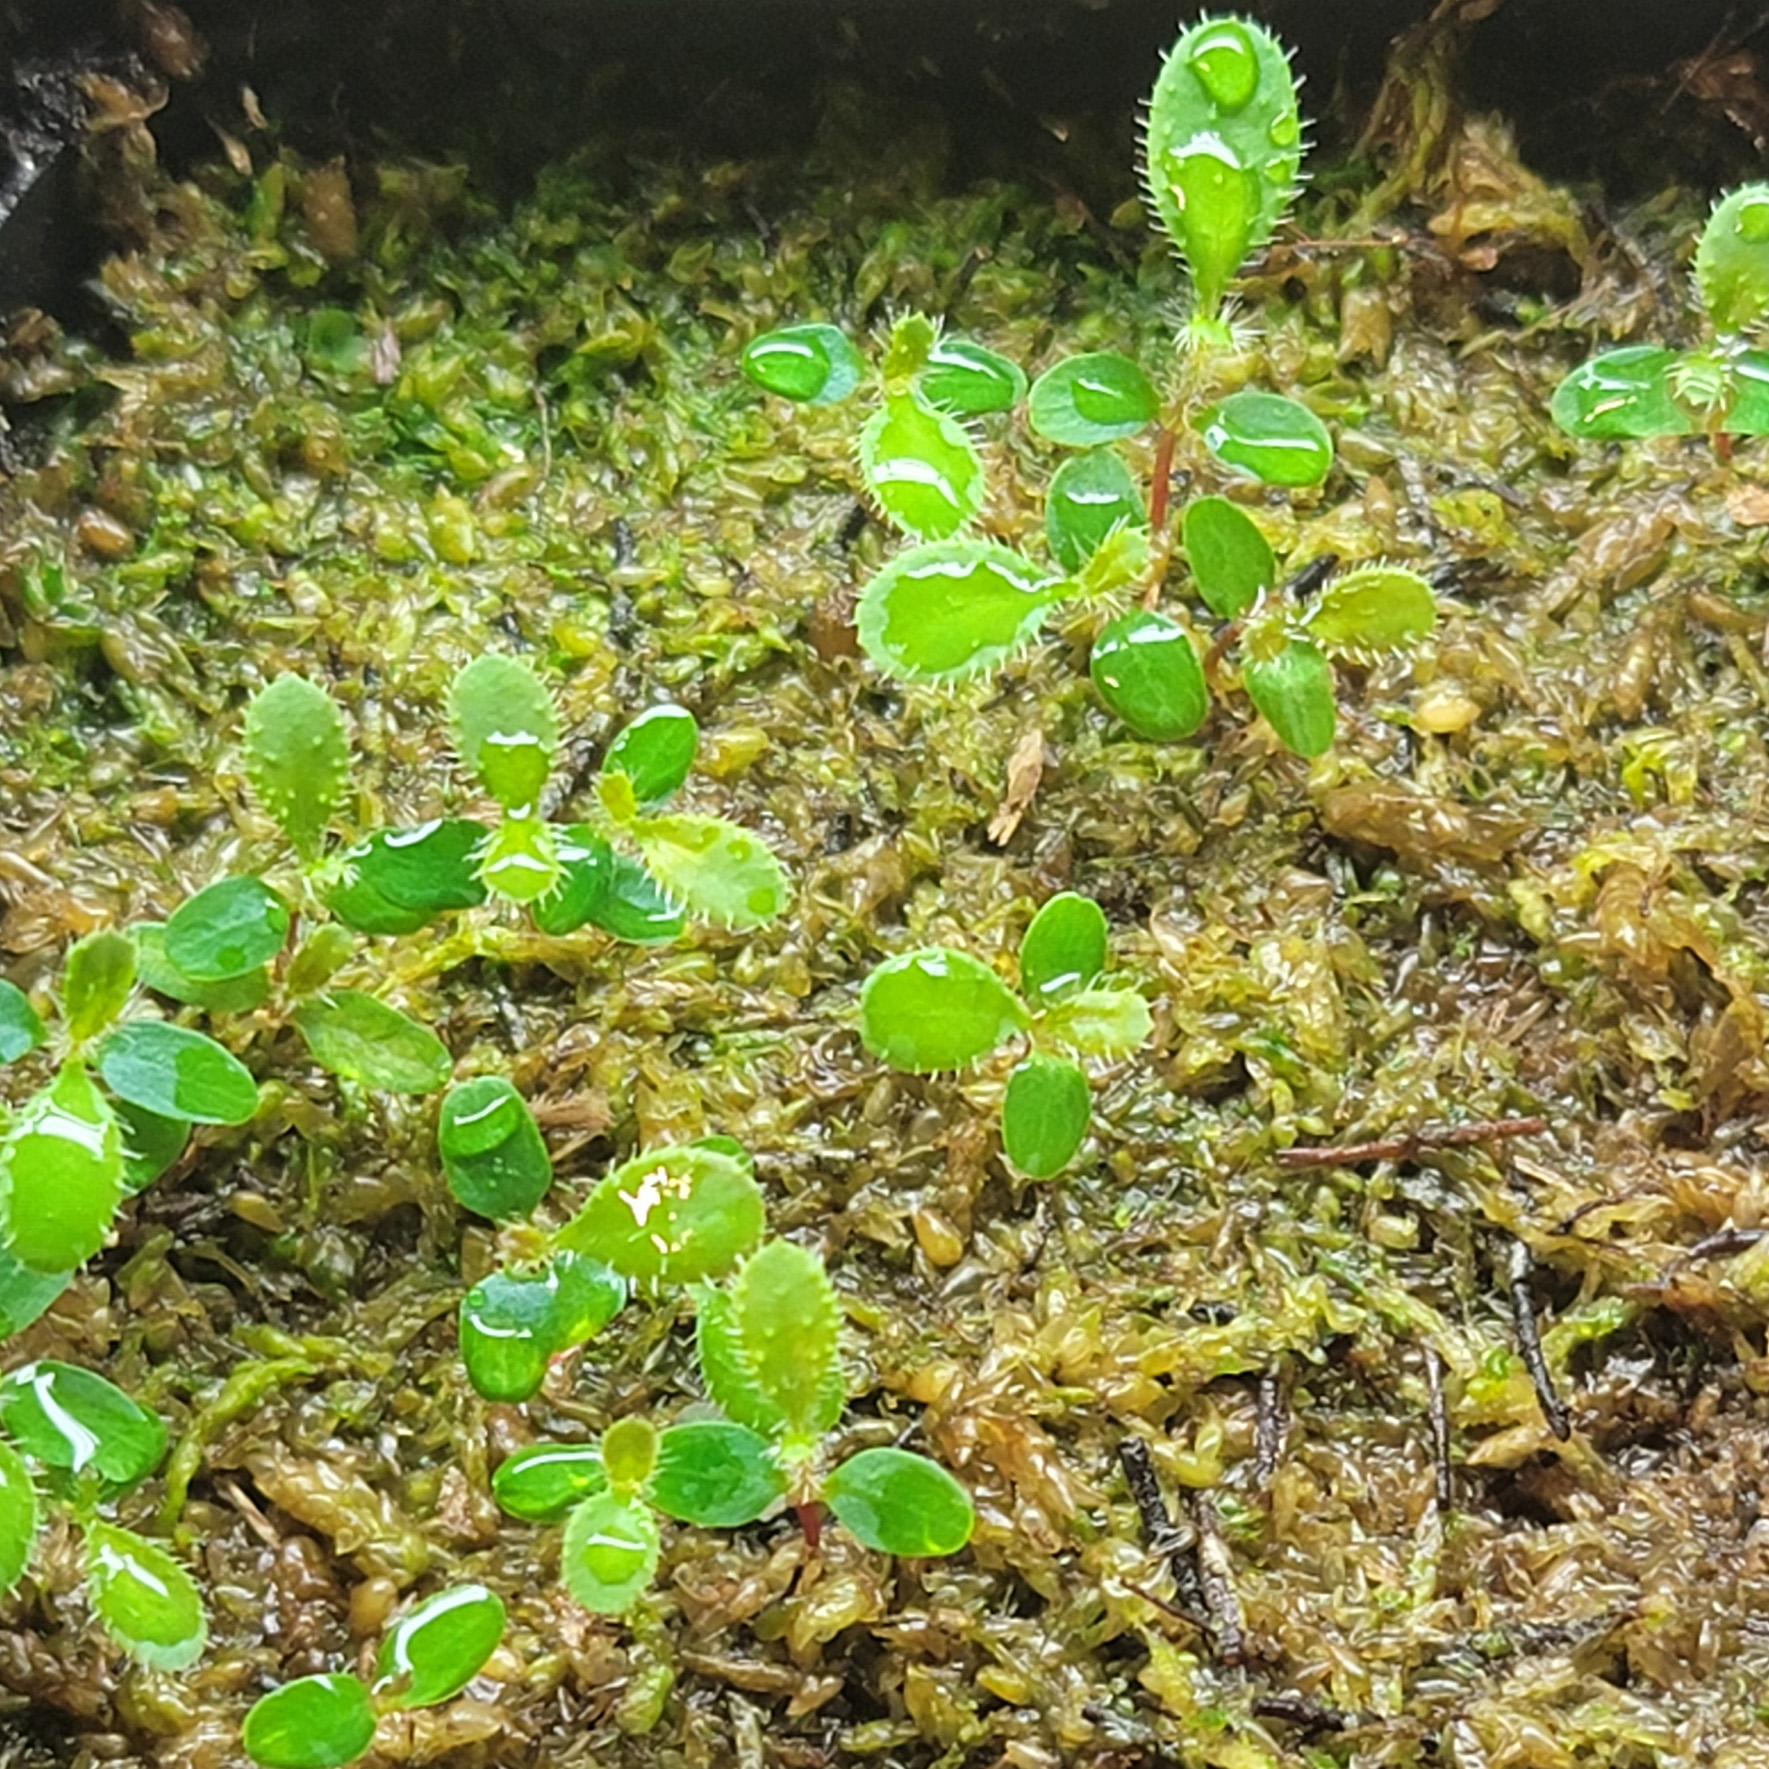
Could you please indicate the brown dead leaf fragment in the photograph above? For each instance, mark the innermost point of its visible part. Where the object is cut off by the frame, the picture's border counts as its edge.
(1025, 768)
(1748, 505)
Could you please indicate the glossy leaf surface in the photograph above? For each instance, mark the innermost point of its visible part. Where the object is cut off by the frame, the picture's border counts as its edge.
(1622, 393)
(320, 1722)
(936, 1009)
(1044, 1115)
(1064, 948)
(508, 1332)
(1732, 259)
(714, 1474)
(362, 1039)
(151, 1143)
(1231, 559)
(70, 1418)
(297, 758)
(900, 1503)
(399, 880)
(493, 1154)
(604, 889)
(229, 928)
(1223, 147)
(178, 1073)
(1294, 690)
(542, 1481)
(609, 1553)
(1145, 669)
(61, 1175)
(96, 981)
(1090, 494)
(942, 613)
(147, 1601)
(1371, 610)
(718, 870)
(921, 468)
(1276, 440)
(21, 1029)
(18, 1516)
(236, 995)
(815, 363)
(1093, 398)
(676, 1215)
(966, 379)
(437, 1647)
(1106, 1023)
(655, 751)
(506, 728)
(519, 861)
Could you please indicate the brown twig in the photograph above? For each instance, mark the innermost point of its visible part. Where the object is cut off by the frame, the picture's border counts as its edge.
(1440, 1427)
(1160, 479)
(1268, 1430)
(1529, 1342)
(1159, 1535)
(1417, 1142)
(1216, 1577)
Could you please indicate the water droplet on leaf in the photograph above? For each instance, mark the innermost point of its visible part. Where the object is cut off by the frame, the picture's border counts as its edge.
(1224, 61)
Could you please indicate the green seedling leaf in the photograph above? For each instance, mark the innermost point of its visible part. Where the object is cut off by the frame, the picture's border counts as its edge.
(69, 1418)
(1089, 399)
(814, 363)
(226, 931)
(629, 1453)
(506, 728)
(1145, 669)
(321, 1722)
(900, 1503)
(95, 984)
(921, 467)
(1748, 414)
(297, 758)
(1044, 1115)
(1222, 148)
(1276, 440)
(967, 380)
(21, 1031)
(676, 1215)
(655, 752)
(399, 880)
(610, 1552)
(718, 870)
(25, 1294)
(542, 1481)
(769, 1345)
(936, 1009)
(601, 888)
(589, 1295)
(508, 1332)
(519, 860)
(1107, 1023)
(1294, 690)
(148, 1603)
(151, 1143)
(714, 1475)
(18, 1517)
(1231, 560)
(1732, 259)
(159, 973)
(1622, 393)
(177, 1073)
(1120, 560)
(908, 346)
(327, 948)
(1371, 610)
(1064, 948)
(61, 1175)
(438, 1646)
(942, 613)
(362, 1039)
(1090, 495)
(493, 1154)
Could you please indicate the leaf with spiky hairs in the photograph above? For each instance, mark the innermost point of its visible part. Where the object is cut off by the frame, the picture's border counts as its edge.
(1222, 148)
(1370, 611)
(297, 758)
(921, 467)
(714, 869)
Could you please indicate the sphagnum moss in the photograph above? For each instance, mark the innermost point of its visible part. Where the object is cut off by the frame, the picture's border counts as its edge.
(1529, 880)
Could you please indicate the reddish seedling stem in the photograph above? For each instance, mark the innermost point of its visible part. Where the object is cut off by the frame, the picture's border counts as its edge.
(810, 1516)
(1158, 484)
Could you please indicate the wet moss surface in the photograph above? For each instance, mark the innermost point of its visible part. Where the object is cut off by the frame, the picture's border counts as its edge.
(368, 424)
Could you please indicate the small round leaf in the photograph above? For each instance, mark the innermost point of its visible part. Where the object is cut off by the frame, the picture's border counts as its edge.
(1732, 259)
(1276, 440)
(61, 1175)
(178, 1073)
(70, 1418)
(1098, 397)
(714, 1474)
(1371, 610)
(436, 1648)
(936, 1009)
(542, 1481)
(629, 1452)
(1145, 669)
(1294, 690)
(600, 888)
(508, 1332)
(964, 378)
(228, 929)
(1090, 495)
(1044, 1115)
(655, 751)
(399, 880)
(147, 1601)
(609, 1553)
(363, 1039)
(297, 758)
(506, 728)
(95, 982)
(1231, 560)
(493, 1154)
(814, 363)
(1622, 393)
(720, 871)
(900, 1503)
(1064, 948)
(921, 467)
(318, 1722)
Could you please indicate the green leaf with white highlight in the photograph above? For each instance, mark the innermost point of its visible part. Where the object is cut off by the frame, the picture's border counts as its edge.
(1371, 610)
(1044, 1115)
(1097, 397)
(715, 869)
(900, 1503)
(610, 1552)
(935, 1010)
(921, 468)
(506, 728)
(61, 1175)
(147, 1601)
(318, 1722)
(297, 758)
(944, 612)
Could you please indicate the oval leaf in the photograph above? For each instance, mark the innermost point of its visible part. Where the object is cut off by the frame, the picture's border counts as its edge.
(900, 1503)
(1231, 560)
(1270, 437)
(1044, 1115)
(151, 1143)
(506, 728)
(629, 1452)
(1093, 398)
(25, 1294)
(1622, 393)
(1106, 1023)
(1732, 259)
(95, 982)
(363, 1039)
(18, 1517)
(921, 467)
(964, 378)
(399, 880)
(655, 751)
(177, 1073)
(1371, 610)
(237, 995)
(228, 929)
(718, 870)
(493, 1154)
(942, 613)
(600, 888)
(610, 1552)
(437, 1647)
(318, 1722)
(677, 1215)
(297, 758)
(1064, 948)
(69, 1418)
(716, 1475)
(1145, 669)
(61, 1175)
(21, 1030)
(508, 1329)
(1090, 495)
(815, 363)
(1294, 690)
(542, 1481)
(148, 1603)
(936, 1009)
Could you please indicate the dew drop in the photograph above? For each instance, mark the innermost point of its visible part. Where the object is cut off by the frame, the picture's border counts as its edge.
(1753, 221)
(1285, 130)
(1226, 64)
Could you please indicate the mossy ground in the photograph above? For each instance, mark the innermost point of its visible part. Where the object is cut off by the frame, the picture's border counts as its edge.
(1529, 879)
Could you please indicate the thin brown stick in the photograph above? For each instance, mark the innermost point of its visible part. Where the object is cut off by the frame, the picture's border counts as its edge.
(1529, 1343)
(1159, 1535)
(1268, 1430)
(1417, 1142)
(1440, 1427)
(1216, 1576)
(1160, 480)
